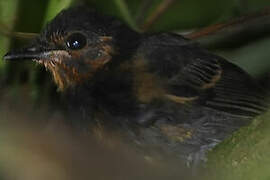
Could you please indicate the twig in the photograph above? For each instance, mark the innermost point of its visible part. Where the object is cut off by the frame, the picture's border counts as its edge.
(4, 30)
(157, 13)
(211, 30)
(123, 8)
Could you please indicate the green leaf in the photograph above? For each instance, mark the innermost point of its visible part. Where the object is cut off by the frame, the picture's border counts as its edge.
(125, 12)
(7, 20)
(245, 155)
(54, 7)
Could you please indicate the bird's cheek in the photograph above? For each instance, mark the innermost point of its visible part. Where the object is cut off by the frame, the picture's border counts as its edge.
(93, 54)
(97, 60)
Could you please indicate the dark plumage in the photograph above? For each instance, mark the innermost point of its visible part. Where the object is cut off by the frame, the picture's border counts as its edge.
(161, 92)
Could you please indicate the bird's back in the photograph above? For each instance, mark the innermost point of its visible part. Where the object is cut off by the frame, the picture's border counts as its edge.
(207, 97)
(192, 72)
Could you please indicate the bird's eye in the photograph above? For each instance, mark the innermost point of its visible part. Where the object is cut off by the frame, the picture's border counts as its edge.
(76, 41)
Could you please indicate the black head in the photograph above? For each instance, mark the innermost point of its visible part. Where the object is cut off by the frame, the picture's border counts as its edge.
(76, 44)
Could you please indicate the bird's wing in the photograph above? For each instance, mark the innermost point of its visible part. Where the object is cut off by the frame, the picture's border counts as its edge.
(219, 85)
(196, 75)
(194, 79)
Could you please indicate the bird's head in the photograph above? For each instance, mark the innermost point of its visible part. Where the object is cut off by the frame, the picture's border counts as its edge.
(75, 45)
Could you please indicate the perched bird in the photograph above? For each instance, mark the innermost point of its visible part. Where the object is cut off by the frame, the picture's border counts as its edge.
(162, 92)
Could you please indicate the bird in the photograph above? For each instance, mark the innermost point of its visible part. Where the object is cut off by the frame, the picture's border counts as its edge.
(162, 92)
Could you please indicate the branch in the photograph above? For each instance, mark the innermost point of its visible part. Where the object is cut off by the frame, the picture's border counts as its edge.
(5, 30)
(157, 13)
(234, 25)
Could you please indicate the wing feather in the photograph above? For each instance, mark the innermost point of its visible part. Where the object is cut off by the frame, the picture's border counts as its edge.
(196, 75)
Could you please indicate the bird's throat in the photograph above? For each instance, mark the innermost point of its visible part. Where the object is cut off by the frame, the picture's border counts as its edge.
(65, 77)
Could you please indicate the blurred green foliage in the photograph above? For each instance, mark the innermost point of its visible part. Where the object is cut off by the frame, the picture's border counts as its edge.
(7, 18)
(245, 155)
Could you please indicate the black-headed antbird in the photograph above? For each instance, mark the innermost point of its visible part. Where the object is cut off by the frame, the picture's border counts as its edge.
(160, 91)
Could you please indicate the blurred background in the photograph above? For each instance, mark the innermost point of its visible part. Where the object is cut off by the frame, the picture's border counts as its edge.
(31, 145)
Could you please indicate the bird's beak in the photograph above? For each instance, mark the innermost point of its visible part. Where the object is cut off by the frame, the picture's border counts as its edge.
(30, 53)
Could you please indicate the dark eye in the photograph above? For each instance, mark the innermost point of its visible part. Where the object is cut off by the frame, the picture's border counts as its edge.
(76, 41)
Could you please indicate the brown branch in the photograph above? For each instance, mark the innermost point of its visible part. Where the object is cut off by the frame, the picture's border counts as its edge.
(211, 30)
(5, 30)
(157, 13)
